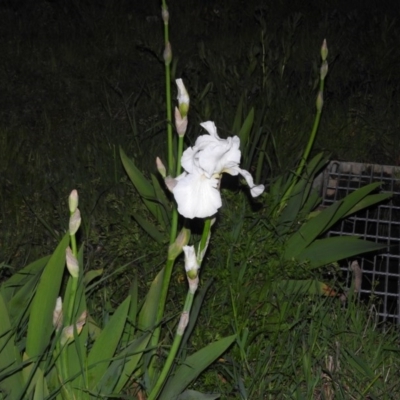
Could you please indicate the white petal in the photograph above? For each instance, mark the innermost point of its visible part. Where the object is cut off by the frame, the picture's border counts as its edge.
(183, 95)
(254, 190)
(211, 154)
(197, 196)
(210, 127)
(188, 161)
(190, 258)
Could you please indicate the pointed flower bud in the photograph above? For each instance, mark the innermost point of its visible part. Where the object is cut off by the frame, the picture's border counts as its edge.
(167, 54)
(191, 267)
(72, 263)
(183, 98)
(165, 15)
(324, 50)
(180, 242)
(161, 168)
(180, 123)
(320, 101)
(67, 335)
(74, 222)
(58, 314)
(191, 264)
(170, 183)
(324, 70)
(73, 201)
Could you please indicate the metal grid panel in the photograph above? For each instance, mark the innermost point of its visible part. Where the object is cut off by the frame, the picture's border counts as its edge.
(380, 273)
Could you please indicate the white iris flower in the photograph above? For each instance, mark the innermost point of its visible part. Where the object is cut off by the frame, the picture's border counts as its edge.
(196, 191)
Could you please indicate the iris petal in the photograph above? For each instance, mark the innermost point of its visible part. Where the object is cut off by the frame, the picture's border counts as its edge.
(197, 196)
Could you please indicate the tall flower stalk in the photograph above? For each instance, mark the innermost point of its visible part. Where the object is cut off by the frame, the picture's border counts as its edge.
(311, 140)
(167, 62)
(196, 191)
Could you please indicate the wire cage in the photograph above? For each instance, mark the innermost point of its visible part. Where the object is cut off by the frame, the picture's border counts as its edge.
(380, 273)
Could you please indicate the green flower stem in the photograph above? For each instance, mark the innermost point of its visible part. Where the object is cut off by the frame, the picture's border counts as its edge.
(172, 352)
(74, 246)
(74, 285)
(65, 386)
(168, 94)
(204, 239)
(167, 275)
(180, 151)
(186, 309)
(307, 150)
(69, 320)
(164, 289)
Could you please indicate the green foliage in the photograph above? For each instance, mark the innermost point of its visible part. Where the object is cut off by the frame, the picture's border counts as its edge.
(64, 120)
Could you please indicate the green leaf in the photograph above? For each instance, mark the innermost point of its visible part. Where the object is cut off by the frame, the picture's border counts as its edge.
(20, 304)
(245, 130)
(91, 275)
(354, 199)
(20, 278)
(164, 209)
(105, 345)
(148, 313)
(142, 185)
(358, 364)
(40, 326)
(133, 356)
(302, 286)
(368, 202)
(194, 395)
(41, 390)
(205, 91)
(237, 122)
(195, 311)
(9, 354)
(193, 366)
(309, 231)
(132, 314)
(149, 228)
(328, 250)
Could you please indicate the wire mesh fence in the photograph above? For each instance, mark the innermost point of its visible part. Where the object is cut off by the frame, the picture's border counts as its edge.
(380, 224)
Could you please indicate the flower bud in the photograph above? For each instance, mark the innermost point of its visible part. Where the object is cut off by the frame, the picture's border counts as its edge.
(73, 201)
(165, 15)
(191, 264)
(324, 50)
(320, 101)
(170, 183)
(180, 123)
(72, 263)
(161, 168)
(183, 98)
(74, 222)
(324, 70)
(67, 335)
(167, 54)
(58, 314)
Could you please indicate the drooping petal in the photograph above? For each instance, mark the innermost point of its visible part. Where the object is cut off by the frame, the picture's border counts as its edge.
(197, 196)
(255, 190)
